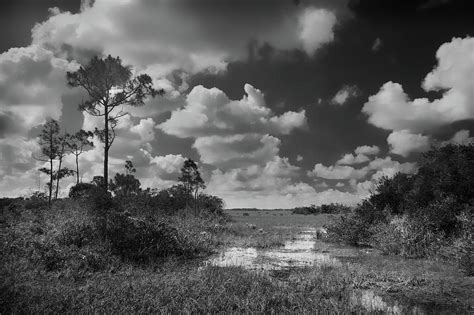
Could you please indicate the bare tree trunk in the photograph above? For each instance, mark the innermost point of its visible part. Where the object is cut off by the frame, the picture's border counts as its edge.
(77, 169)
(106, 149)
(50, 181)
(196, 200)
(58, 174)
(57, 177)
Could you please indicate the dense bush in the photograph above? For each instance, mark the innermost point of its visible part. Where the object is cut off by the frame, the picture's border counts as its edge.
(349, 229)
(407, 237)
(420, 215)
(144, 240)
(211, 204)
(82, 190)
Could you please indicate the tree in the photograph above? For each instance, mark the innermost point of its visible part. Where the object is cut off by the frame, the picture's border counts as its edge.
(98, 181)
(191, 179)
(77, 144)
(126, 185)
(61, 172)
(109, 85)
(49, 142)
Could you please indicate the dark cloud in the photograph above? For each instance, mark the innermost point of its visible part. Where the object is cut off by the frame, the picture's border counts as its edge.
(17, 18)
(379, 9)
(8, 124)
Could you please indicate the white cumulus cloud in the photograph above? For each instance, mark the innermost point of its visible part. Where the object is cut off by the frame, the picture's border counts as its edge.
(316, 28)
(403, 142)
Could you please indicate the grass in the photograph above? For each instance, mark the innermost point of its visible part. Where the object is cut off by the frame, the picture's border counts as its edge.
(267, 228)
(278, 218)
(52, 262)
(180, 290)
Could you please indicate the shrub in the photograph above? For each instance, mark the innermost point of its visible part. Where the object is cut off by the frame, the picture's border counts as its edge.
(76, 233)
(141, 240)
(37, 200)
(211, 204)
(82, 190)
(407, 237)
(348, 229)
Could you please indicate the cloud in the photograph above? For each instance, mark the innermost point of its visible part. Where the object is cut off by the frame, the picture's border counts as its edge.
(145, 129)
(403, 142)
(273, 185)
(231, 133)
(349, 159)
(337, 172)
(377, 168)
(16, 154)
(361, 155)
(389, 167)
(367, 150)
(241, 149)
(316, 28)
(460, 137)
(344, 94)
(392, 109)
(210, 112)
(181, 34)
(32, 82)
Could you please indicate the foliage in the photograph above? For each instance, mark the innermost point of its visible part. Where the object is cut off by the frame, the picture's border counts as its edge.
(349, 229)
(49, 141)
(421, 214)
(143, 240)
(191, 178)
(125, 185)
(172, 199)
(407, 237)
(325, 208)
(211, 204)
(82, 190)
(110, 85)
(77, 144)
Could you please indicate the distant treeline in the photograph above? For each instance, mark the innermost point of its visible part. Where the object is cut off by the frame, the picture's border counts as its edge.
(312, 209)
(326, 208)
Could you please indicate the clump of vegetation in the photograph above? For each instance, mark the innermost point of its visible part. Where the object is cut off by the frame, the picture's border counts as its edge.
(331, 208)
(422, 215)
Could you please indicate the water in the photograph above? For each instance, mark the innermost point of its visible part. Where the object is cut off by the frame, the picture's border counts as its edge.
(296, 253)
(304, 251)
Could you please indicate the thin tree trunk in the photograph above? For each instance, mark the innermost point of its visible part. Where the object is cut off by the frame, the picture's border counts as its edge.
(58, 174)
(50, 181)
(106, 149)
(57, 177)
(77, 169)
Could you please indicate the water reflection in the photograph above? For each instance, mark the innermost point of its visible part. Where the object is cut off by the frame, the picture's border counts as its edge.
(295, 253)
(302, 252)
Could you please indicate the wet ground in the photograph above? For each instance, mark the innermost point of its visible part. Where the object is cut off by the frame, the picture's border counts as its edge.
(305, 251)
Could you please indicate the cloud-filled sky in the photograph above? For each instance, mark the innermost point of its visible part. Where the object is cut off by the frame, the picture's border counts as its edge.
(282, 103)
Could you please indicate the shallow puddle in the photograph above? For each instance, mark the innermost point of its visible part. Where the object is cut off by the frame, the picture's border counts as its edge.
(304, 251)
(296, 253)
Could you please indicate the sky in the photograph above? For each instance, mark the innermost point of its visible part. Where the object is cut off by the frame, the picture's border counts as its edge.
(281, 103)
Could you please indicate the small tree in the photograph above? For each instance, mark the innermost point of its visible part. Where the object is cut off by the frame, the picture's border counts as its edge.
(110, 85)
(126, 185)
(77, 144)
(191, 179)
(61, 172)
(49, 142)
